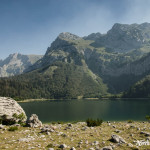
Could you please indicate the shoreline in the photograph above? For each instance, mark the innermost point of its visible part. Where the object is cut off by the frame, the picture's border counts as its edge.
(33, 100)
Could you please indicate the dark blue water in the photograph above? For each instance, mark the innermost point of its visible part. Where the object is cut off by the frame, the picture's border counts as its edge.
(80, 110)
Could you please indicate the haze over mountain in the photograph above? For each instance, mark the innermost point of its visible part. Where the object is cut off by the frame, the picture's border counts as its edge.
(92, 66)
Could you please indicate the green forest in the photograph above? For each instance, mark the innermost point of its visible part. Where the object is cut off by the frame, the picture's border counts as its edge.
(59, 80)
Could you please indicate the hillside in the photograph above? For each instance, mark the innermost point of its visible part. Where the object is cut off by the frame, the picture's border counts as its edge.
(90, 66)
(16, 63)
(139, 90)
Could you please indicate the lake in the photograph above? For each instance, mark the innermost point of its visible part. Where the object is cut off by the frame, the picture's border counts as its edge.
(80, 110)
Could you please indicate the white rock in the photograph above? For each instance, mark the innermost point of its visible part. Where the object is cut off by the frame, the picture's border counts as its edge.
(9, 107)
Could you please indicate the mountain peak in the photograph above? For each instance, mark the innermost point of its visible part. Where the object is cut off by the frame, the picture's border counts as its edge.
(69, 36)
(14, 55)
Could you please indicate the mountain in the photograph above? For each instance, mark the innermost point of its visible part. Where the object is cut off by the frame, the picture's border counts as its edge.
(16, 63)
(124, 37)
(90, 66)
(61, 73)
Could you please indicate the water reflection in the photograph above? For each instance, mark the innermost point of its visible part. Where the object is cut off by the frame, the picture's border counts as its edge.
(75, 110)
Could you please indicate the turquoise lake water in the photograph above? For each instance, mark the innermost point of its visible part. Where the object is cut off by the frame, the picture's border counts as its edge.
(80, 110)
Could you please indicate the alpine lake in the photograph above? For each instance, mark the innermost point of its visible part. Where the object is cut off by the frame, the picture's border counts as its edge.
(80, 110)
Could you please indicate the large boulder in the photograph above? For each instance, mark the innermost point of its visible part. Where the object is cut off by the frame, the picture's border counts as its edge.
(34, 121)
(11, 112)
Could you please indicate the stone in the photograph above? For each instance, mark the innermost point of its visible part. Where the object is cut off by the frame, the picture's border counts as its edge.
(117, 131)
(72, 148)
(27, 139)
(107, 148)
(63, 146)
(145, 133)
(96, 142)
(10, 110)
(47, 129)
(84, 128)
(1, 126)
(70, 125)
(130, 145)
(117, 139)
(50, 148)
(34, 121)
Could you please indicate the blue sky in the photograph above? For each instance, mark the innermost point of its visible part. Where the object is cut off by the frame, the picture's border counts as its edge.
(29, 26)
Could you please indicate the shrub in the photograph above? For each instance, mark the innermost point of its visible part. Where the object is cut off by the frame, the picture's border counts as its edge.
(19, 117)
(50, 146)
(130, 121)
(92, 122)
(148, 118)
(13, 128)
(6, 121)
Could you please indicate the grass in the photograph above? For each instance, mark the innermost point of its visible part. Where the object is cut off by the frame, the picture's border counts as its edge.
(13, 128)
(74, 135)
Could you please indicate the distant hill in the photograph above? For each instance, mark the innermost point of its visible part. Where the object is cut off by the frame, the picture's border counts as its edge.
(90, 66)
(139, 90)
(16, 63)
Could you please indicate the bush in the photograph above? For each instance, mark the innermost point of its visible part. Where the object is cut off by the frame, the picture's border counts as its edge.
(20, 118)
(92, 122)
(130, 121)
(14, 128)
(148, 118)
(50, 146)
(6, 121)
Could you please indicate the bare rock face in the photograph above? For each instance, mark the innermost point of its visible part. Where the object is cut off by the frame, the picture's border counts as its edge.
(34, 121)
(10, 111)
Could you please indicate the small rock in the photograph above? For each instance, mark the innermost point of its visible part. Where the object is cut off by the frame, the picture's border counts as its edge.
(117, 131)
(95, 142)
(145, 133)
(84, 128)
(63, 146)
(117, 139)
(72, 148)
(148, 138)
(130, 145)
(1, 126)
(86, 142)
(70, 125)
(107, 148)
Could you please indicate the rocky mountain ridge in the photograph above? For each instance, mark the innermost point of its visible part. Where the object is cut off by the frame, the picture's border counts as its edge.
(113, 61)
(124, 37)
(16, 63)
